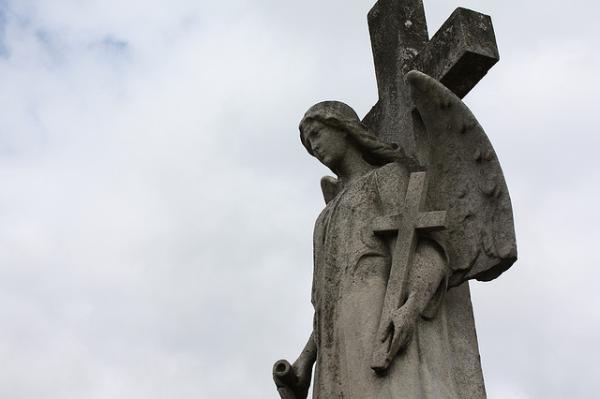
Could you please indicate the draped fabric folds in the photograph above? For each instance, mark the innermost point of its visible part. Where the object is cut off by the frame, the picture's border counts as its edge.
(351, 270)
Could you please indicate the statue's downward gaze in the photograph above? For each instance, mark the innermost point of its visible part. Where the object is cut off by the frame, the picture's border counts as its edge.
(407, 224)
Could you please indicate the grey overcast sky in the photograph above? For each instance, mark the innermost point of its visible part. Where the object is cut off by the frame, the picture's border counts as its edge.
(156, 206)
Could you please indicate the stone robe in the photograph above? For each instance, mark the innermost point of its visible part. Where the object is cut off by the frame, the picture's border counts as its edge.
(350, 274)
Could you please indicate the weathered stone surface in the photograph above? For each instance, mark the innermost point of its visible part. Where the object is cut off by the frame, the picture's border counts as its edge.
(459, 55)
(404, 227)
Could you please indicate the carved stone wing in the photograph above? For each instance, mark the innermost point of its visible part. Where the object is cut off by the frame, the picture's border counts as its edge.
(466, 180)
(330, 187)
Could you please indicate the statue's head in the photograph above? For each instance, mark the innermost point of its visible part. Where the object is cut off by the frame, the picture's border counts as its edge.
(324, 131)
(330, 127)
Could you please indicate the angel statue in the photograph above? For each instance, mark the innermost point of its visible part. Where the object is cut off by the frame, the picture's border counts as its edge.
(394, 249)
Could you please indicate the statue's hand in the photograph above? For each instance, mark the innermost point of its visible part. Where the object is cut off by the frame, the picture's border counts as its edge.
(292, 381)
(401, 328)
(303, 371)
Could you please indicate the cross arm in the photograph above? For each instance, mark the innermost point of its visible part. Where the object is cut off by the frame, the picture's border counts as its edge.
(461, 53)
(387, 224)
(426, 222)
(431, 221)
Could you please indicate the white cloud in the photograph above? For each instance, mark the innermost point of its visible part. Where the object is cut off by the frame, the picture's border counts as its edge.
(157, 206)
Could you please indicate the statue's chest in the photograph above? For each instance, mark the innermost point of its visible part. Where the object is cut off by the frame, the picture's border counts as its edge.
(344, 229)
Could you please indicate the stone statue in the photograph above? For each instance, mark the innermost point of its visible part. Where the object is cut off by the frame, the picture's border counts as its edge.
(407, 224)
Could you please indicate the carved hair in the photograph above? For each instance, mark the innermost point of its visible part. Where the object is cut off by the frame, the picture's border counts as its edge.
(342, 117)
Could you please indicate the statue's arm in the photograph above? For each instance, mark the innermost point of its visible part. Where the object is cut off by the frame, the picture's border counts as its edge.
(428, 279)
(307, 358)
(426, 285)
(429, 268)
(293, 381)
(303, 367)
(427, 276)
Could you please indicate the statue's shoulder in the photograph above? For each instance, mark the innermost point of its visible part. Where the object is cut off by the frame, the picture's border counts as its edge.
(392, 180)
(389, 178)
(392, 170)
(392, 174)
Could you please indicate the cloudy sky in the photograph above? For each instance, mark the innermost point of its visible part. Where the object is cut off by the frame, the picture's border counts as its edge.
(156, 206)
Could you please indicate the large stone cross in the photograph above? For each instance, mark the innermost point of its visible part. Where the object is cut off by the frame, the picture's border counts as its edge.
(458, 55)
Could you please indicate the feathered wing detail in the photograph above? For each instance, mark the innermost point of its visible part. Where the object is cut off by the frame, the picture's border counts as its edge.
(466, 180)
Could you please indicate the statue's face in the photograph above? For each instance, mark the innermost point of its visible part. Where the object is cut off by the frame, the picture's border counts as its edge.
(328, 144)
